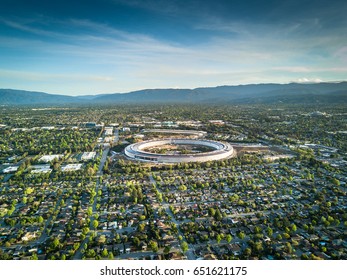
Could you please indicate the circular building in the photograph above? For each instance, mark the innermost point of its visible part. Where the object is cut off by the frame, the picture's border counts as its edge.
(219, 150)
(191, 133)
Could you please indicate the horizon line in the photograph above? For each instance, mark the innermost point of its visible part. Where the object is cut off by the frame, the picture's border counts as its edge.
(178, 88)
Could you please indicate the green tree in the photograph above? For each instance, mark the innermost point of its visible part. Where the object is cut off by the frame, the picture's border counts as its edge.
(257, 229)
(218, 215)
(241, 235)
(258, 246)
(136, 241)
(102, 239)
(335, 181)
(218, 238)
(104, 253)
(184, 246)
(153, 245)
(289, 248)
(34, 257)
(95, 224)
(167, 250)
(110, 256)
(212, 212)
(247, 252)
(141, 227)
(55, 243)
(294, 228)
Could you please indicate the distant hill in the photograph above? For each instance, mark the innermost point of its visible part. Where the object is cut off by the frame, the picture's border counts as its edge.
(22, 97)
(259, 93)
(254, 93)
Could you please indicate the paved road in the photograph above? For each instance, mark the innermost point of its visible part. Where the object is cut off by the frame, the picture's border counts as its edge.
(78, 254)
(7, 177)
(116, 135)
(189, 254)
(44, 234)
(102, 161)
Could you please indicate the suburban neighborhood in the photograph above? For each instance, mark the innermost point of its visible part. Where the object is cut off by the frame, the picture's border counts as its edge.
(70, 192)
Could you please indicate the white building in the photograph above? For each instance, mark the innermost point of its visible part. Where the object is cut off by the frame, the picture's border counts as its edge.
(41, 168)
(88, 155)
(10, 169)
(220, 151)
(139, 136)
(71, 167)
(108, 131)
(49, 158)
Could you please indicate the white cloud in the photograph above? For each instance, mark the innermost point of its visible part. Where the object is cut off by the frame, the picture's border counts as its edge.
(109, 59)
(292, 69)
(308, 80)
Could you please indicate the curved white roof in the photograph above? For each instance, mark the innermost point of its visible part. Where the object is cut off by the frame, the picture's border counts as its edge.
(221, 150)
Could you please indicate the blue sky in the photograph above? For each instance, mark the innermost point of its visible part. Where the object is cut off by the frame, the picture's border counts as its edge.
(108, 46)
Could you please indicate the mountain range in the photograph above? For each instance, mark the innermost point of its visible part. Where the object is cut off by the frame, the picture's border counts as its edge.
(242, 94)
